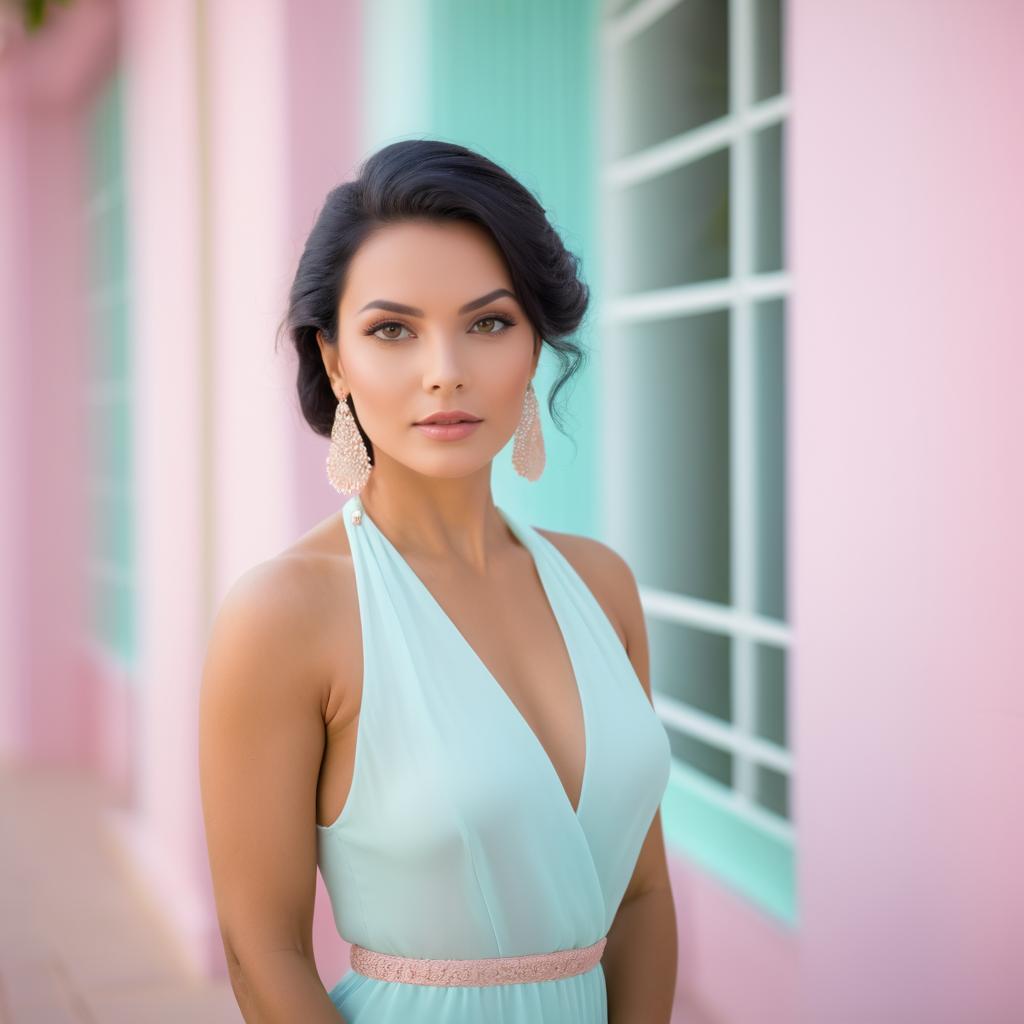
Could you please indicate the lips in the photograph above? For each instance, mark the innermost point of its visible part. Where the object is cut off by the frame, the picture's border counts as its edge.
(448, 431)
(441, 419)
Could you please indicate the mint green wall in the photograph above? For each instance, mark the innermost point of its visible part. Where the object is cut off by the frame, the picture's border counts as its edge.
(516, 81)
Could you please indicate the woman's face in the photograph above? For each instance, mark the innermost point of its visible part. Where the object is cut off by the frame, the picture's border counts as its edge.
(410, 345)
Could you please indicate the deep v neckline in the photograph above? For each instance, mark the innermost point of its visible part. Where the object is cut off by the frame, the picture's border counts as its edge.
(502, 693)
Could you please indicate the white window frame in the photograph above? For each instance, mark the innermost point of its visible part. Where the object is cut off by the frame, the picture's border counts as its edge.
(737, 293)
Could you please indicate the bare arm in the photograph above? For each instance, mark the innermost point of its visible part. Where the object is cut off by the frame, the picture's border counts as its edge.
(261, 740)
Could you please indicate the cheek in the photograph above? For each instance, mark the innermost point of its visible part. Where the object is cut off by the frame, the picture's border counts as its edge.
(512, 394)
(382, 387)
(503, 369)
(502, 386)
(383, 380)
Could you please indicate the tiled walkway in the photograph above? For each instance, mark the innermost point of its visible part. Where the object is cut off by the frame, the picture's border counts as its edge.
(77, 942)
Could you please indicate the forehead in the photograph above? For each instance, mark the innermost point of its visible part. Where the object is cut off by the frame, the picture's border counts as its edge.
(436, 266)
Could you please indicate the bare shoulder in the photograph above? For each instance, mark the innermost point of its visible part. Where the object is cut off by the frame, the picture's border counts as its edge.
(270, 611)
(614, 586)
(605, 572)
(289, 611)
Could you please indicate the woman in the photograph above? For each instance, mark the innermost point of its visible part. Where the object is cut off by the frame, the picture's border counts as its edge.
(445, 708)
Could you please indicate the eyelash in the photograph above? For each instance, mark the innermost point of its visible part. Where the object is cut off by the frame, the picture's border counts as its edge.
(503, 318)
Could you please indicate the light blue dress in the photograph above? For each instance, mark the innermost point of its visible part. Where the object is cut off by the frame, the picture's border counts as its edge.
(458, 839)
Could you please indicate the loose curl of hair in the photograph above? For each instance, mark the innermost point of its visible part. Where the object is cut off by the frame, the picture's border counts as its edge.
(426, 179)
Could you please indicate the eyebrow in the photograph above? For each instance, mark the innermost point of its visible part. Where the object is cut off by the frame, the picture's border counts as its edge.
(398, 307)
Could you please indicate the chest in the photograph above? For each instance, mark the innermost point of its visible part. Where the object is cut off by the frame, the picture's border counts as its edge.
(507, 625)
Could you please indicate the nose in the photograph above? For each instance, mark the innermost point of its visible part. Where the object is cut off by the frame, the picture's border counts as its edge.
(444, 370)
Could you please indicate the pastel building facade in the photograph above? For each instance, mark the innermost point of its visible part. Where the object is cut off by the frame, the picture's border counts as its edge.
(798, 422)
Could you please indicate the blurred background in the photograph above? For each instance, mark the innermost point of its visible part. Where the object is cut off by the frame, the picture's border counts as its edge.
(803, 226)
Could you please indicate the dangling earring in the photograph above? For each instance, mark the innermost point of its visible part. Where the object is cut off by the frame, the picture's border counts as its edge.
(528, 448)
(348, 461)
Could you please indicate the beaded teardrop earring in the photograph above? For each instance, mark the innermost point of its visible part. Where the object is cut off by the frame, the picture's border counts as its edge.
(528, 456)
(348, 461)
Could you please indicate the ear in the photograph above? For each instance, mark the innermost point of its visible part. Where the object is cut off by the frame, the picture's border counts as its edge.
(329, 355)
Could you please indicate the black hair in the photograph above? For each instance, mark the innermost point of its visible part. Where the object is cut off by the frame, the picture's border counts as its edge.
(427, 179)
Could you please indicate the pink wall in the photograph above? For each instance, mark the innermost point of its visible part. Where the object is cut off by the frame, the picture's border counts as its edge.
(242, 115)
(232, 141)
(46, 84)
(906, 159)
(736, 963)
(165, 183)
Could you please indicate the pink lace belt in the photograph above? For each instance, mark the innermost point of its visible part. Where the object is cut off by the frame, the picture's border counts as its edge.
(498, 970)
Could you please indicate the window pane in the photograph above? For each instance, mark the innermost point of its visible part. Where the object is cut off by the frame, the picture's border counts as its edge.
(768, 51)
(706, 758)
(771, 790)
(769, 412)
(768, 198)
(675, 383)
(670, 77)
(673, 229)
(770, 714)
(692, 666)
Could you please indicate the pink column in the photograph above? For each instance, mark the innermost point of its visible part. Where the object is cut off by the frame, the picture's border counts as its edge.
(47, 81)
